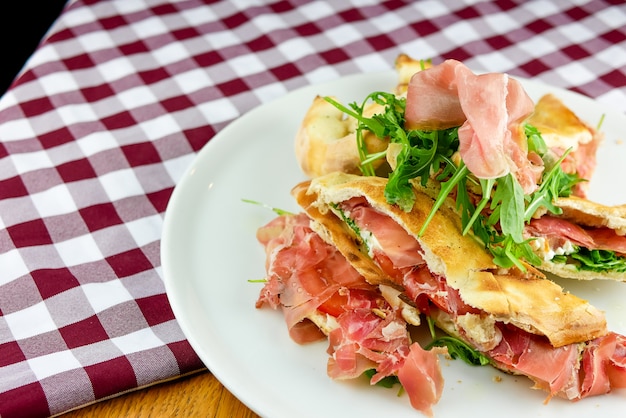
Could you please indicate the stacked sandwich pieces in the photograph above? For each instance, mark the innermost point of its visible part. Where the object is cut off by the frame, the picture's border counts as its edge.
(386, 240)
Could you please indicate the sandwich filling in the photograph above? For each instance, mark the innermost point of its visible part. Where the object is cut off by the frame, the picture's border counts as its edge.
(560, 241)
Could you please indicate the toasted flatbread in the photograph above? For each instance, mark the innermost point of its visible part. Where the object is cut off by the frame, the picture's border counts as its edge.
(558, 124)
(406, 67)
(563, 131)
(326, 139)
(591, 214)
(528, 301)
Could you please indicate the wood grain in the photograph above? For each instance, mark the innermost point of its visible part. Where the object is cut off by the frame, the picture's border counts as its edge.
(198, 395)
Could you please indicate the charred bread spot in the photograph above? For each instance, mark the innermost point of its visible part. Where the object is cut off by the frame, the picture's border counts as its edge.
(352, 257)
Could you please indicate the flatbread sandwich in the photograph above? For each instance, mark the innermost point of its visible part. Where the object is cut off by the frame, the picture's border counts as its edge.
(586, 241)
(517, 321)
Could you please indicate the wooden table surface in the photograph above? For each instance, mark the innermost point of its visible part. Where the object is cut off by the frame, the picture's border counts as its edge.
(197, 395)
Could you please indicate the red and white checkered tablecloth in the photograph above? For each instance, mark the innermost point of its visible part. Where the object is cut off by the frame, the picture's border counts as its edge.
(121, 94)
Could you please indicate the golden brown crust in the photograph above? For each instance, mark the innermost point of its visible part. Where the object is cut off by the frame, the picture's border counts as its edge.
(406, 67)
(528, 301)
(569, 271)
(591, 214)
(559, 125)
(326, 140)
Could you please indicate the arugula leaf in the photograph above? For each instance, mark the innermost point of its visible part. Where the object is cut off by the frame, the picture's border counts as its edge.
(499, 217)
(555, 183)
(457, 178)
(600, 122)
(386, 382)
(275, 210)
(509, 199)
(456, 347)
(508, 253)
(348, 220)
(387, 124)
(426, 153)
(472, 212)
(460, 349)
(535, 140)
(595, 260)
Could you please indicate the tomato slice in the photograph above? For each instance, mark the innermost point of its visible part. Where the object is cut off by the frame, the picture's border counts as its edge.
(335, 305)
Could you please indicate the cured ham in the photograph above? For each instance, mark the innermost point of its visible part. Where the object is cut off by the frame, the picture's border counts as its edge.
(604, 365)
(322, 296)
(559, 232)
(433, 98)
(400, 248)
(305, 275)
(421, 375)
(489, 110)
(572, 372)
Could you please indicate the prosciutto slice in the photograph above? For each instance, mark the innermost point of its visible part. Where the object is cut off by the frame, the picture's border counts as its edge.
(305, 275)
(421, 375)
(400, 248)
(558, 231)
(432, 101)
(308, 279)
(489, 110)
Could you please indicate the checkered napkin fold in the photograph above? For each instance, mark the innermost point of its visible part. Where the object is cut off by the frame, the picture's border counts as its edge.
(88, 161)
(83, 310)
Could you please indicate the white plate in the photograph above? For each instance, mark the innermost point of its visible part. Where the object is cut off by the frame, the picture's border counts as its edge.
(209, 254)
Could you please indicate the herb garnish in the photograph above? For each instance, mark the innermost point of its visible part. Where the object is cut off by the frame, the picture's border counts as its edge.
(386, 382)
(499, 216)
(456, 348)
(277, 211)
(594, 260)
(388, 124)
(348, 220)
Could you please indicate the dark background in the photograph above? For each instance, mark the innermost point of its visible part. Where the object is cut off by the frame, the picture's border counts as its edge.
(23, 23)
